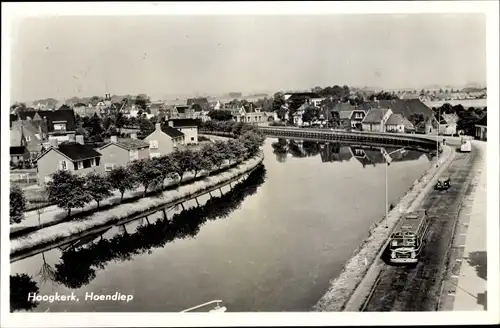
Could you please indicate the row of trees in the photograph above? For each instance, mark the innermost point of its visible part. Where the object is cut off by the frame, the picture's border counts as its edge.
(68, 190)
(236, 128)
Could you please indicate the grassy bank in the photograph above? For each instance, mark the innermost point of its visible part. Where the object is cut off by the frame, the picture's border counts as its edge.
(66, 229)
(342, 287)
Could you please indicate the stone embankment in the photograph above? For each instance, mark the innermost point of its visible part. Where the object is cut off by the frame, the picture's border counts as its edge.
(348, 291)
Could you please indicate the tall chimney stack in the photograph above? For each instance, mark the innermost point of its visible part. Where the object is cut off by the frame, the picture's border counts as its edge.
(114, 139)
(158, 126)
(171, 123)
(133, 136)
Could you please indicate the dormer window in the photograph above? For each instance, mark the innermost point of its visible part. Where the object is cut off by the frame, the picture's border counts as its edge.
(59, 125)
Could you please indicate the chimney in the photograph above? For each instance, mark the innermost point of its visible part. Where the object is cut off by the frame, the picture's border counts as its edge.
(53, 143)
(158, 126)
(133, 136)
(171, 123)
(114, 139)
(79, 139)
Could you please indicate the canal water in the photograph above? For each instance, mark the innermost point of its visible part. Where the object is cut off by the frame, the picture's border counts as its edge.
(271, 243)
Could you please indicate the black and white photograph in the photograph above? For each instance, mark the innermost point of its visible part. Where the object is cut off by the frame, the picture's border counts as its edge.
(320, 163)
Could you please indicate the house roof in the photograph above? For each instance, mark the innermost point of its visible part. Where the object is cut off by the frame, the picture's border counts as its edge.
(28, 127)
(17, 150)
(170, 131)
(67, 115)
(76, 151)
(181, 109)
(302, 94)
(406, 107)
(395, 119)
(128, 144)
(345, 114)
(179, 123)
(375, 115)
(196, 108)
(16, 138)
(340, 107)
(202, 102)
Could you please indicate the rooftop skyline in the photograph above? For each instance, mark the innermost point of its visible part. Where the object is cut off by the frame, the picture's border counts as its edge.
(178, 55)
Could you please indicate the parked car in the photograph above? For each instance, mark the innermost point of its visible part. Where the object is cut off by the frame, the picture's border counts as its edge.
(443, 183)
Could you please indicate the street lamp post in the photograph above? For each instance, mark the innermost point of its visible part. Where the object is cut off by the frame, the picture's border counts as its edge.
(437, 138)
(388, 160)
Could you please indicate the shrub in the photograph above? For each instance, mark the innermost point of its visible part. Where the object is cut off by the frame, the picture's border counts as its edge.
(17, 204)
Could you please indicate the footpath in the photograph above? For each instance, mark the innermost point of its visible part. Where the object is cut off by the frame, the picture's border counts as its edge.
(466, 290)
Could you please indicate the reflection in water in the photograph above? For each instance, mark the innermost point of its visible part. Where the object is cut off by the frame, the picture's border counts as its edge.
(338, 152)
(77, 267)
(21, 285)
(47, 272)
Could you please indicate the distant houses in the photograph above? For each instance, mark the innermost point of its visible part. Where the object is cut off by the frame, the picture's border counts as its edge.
(59, 124)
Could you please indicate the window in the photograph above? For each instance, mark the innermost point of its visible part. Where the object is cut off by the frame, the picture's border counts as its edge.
(153, 144)
(192, 138)
(108, 167)
(63, 165)
(80, 165)
(28, 138)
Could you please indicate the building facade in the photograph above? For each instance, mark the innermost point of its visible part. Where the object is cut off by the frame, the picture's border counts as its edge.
(188, 127)
(163, 140)
(375, 119)
(122, 151)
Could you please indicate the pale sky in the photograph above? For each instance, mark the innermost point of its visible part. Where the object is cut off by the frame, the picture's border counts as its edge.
(162, 55)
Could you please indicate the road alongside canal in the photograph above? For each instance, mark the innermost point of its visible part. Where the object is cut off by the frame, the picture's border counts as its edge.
(401, 288)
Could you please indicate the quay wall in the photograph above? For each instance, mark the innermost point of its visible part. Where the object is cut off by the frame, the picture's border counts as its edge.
(408, 140)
